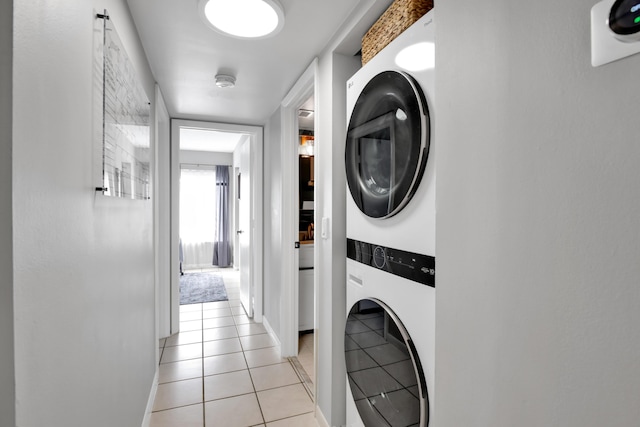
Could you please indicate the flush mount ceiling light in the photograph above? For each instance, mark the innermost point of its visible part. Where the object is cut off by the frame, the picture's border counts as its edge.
(224, 80)
(243, 18)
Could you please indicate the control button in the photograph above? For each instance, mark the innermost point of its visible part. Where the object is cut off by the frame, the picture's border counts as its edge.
(379, 257)
(430, 271)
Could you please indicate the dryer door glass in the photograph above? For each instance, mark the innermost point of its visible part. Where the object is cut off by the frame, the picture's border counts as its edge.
(383, 368)
(387, 144)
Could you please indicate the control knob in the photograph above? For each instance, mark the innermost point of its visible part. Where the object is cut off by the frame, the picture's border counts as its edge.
(379, 257)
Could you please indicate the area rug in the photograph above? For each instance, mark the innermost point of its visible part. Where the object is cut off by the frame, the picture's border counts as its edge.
(202, 287)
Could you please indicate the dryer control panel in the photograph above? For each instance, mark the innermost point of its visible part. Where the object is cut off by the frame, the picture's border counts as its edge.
(409, 265)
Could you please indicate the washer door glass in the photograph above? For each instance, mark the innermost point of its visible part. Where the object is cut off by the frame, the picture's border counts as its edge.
(387, 144)
(383, 368)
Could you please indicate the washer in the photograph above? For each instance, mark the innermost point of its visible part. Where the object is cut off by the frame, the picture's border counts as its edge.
(389, 353)
(390, 289)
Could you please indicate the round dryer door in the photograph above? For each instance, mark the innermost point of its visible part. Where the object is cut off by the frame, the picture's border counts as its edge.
(383, 368)
(387, 144)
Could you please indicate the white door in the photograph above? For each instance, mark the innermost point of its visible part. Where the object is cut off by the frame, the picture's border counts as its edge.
(244, 227)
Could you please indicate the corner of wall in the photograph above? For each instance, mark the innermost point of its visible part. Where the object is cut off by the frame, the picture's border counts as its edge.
(320, 418)
(7, 351)
(334, 70)
(272, 222)
(270, 331)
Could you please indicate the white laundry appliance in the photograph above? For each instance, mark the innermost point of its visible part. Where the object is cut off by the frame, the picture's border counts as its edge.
(390, 289)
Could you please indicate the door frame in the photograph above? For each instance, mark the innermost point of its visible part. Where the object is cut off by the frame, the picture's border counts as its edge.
(239, 154)
(161, 215)
(256, 274)
(306, 86)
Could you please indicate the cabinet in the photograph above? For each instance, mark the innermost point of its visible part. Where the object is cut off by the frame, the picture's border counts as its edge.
(305, 288)
(305, 299)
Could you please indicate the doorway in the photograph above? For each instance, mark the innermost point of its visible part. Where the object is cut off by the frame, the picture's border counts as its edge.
(201, 219)
(306, 237)
(192, 150)
(300, 252)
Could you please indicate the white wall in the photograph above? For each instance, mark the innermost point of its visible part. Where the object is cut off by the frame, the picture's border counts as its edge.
(336, 64)
(273, 221)
(334, 71)
(205, 158)
(7, 377)
(538, 220)
(162, 216)
(84, 279)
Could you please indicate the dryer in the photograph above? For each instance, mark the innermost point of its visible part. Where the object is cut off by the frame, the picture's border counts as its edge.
(390, 286)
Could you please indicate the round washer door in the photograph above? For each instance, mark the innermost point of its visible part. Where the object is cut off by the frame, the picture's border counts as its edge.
(383, 368)
(387, 144)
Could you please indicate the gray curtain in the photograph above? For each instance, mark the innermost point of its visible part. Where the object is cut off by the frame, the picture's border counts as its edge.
(222, 245)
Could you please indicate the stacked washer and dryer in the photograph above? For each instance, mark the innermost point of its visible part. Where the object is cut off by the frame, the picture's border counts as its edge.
(390, 319)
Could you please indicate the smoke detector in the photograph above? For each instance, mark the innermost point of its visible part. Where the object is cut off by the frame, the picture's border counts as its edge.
(224, 80)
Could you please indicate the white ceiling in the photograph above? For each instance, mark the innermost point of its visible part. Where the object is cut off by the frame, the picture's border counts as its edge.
(185, 55)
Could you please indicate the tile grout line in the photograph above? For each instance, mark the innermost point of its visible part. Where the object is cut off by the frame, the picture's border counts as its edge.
(204, 412)
(292, 416)
(237, 323)
(302, 375)
(255, 392)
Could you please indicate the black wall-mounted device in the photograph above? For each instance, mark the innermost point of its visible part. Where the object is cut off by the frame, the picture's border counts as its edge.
(624, 20)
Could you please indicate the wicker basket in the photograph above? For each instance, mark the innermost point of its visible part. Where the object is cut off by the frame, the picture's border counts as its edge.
(397, 18)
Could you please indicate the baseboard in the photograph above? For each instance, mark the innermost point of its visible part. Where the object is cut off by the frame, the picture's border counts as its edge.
(146, 422)
(269, 329)
(320, 419)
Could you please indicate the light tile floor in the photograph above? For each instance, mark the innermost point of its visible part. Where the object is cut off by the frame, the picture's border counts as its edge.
(305, 355)
(224, 370)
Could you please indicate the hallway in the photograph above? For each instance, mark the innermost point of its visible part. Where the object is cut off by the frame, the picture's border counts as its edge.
(223, 369)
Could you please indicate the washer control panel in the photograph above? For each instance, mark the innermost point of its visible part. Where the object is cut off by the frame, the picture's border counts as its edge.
(409, 265)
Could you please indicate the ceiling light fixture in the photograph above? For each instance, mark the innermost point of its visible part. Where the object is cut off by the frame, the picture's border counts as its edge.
(306, 147)
(224, 80)
(243, 18)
